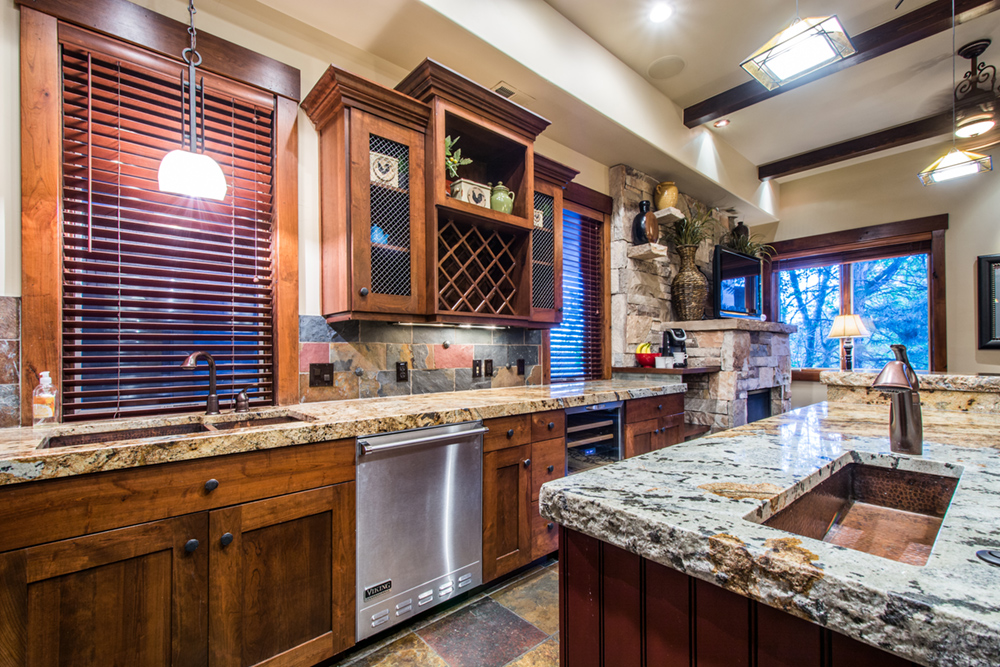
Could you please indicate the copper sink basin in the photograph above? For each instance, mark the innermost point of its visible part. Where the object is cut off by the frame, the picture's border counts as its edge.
(882, 511)
(191, 428)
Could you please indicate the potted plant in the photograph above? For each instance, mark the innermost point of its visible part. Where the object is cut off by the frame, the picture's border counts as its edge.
(689, 290)
(739, 240)
(463, 189)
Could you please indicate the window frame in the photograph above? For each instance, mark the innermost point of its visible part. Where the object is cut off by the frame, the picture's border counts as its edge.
(41, 170)
(905, 237)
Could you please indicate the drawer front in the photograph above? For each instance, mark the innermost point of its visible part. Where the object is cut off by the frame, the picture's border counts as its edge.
(548, 462)
(507, 432)
(548, 425)
(544, 534)
(39, 512)
(654, 407)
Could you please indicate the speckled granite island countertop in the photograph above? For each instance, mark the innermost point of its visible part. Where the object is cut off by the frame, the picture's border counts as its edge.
(685, 507)
(21, 460)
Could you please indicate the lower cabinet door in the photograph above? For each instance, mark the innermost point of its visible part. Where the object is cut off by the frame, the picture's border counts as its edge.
(506, 499)
(641, 437)
(282, 579)
(133, 596)
(671, 430)
(544, 534)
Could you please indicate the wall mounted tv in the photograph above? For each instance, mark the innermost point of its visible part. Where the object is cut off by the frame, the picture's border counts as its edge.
(738, 279)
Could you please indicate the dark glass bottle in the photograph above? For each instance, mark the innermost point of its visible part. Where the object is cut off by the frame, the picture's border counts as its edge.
(644, 225)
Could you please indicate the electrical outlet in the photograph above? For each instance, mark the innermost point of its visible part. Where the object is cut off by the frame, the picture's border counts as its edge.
(488, 368)
(520, 366)
(477, 368)
(402, 371)
(320, 375)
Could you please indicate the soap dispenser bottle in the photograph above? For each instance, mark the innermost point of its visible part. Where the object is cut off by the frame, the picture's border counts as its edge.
(44, 406)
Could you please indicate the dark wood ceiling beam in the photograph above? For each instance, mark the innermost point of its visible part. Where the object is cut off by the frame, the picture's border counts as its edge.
(918, 130)
(897, 33)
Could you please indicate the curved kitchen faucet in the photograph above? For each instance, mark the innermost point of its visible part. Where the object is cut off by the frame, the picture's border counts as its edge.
(212, 403)
(906, 428)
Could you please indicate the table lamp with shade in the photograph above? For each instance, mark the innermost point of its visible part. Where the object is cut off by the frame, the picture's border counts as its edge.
(848, 327)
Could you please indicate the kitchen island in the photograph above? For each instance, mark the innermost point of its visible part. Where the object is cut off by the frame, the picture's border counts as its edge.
(664, 556)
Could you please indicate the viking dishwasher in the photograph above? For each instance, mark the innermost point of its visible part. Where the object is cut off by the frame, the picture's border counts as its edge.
(419, 521)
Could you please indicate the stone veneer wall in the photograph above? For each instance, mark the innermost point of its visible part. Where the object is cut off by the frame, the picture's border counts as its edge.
(10, 361)
(375, 347)
(641, 289)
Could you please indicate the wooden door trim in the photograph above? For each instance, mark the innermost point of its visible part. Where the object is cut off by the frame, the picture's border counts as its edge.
(286, 253)
(14, 606)
(226, 592)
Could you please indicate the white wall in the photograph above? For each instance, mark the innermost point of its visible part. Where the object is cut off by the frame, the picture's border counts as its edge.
(887, 190)
(267, 31)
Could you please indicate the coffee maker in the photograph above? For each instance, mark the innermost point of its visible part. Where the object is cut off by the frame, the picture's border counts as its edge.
(674, 342)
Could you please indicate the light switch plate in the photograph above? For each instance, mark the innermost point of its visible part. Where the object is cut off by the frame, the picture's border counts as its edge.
(477, 368)
(488, 368)
(402, 371)
(320, 375)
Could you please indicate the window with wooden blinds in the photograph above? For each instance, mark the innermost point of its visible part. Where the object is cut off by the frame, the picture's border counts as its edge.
(150, 277)
(577, 344)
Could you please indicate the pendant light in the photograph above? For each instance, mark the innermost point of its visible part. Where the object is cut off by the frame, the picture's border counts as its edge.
(955, 163)
(187, 170)
(803, 47)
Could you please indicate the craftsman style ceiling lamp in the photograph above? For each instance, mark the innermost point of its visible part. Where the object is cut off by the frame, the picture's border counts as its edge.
(187, 170)
(976, 94)
(955, 163)
(803, 47)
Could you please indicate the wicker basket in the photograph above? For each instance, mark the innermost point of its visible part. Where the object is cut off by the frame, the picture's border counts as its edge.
(690, 287)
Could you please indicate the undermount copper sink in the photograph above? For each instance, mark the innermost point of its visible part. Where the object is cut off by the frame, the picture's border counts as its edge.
(882, 511)
(193, 428)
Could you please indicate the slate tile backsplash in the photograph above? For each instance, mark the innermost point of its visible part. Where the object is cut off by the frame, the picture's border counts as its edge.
(10, 361)
(438, 358)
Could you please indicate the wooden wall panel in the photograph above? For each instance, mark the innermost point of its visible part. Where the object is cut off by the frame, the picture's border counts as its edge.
(579, 599)
(786, 641)
(667, 622)
(722, 627)
(622, 603)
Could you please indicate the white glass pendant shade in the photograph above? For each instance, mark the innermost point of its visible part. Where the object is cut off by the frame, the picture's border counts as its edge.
(192, 174)
(803, 47)
(955, 165)
(973, 127)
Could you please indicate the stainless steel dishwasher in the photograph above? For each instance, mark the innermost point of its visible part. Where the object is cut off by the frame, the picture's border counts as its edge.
(419, 521)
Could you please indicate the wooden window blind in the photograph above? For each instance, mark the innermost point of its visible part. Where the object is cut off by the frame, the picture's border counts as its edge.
(150, 277)
(577, 344)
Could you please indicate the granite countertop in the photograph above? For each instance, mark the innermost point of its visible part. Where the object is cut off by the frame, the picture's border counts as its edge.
(684, 507)
(928, 382)
(21, 460)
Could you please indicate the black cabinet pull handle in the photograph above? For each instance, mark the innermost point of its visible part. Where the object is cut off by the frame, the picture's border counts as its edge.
(551, 468)
(552, 425)
(549, 525)
(510, 433)
(527, 462)
(226, 539)
(363, 291)
(211, 485)
(191, 545)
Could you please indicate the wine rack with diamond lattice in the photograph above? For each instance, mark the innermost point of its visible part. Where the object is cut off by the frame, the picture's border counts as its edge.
(480, 269)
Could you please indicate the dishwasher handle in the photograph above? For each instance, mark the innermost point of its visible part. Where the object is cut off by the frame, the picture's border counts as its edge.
(365, 448)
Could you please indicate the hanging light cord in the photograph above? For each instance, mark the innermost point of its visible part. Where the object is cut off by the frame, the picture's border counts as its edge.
(193, 59)
(954, 83)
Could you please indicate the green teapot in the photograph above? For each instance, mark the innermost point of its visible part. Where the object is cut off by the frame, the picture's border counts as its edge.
(502, 199)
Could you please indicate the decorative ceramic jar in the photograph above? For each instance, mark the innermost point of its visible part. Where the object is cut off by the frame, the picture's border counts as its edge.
(502, 199)
(472, 192)
(690, 287)
(645, 228)
(666, 195)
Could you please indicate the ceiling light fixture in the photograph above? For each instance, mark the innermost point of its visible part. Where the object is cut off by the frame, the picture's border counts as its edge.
(955, 163)
(803, 47)
(722, 123)
(976, 95)
(187, 170)
(660, 12)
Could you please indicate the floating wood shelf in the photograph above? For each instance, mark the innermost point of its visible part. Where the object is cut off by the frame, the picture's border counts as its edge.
(456, 209)
(668, 215)
(667, 371)
(649, 251)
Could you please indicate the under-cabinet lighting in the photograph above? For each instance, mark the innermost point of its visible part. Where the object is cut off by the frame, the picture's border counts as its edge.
(445, 325)
(803, 47)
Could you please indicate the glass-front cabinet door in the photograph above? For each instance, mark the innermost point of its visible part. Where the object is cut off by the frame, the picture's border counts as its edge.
(387, 216)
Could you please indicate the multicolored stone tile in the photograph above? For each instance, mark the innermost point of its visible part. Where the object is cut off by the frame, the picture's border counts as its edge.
(535, 599)
(313, 353)
(453, 356)
(366, 356)
(345, 386)
(10, 317)
(407, 651)
(484, 634)
(10, 405)
(9, 359)
(381, 383)
(431, 382)
(545, 655)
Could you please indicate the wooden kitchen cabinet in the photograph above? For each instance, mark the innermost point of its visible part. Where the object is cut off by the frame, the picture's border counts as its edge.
(282, 578)
(653, 423)
(506, 504)
(132, 596)
(372, 197)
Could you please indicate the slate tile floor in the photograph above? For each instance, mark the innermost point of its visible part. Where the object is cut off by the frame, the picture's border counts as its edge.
(513, 624)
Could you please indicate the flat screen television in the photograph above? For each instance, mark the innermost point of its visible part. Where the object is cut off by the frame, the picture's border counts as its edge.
(738, 279)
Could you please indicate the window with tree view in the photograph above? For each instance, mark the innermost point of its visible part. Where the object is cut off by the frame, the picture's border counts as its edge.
(890, 294)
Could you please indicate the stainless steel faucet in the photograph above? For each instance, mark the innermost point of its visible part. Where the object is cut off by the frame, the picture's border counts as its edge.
(906, 426)
(212, 403)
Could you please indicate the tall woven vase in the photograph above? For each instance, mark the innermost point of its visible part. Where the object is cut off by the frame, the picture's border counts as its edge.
(690, 287)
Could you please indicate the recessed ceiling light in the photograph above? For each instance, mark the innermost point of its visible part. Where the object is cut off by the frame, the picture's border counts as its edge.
(660, 12)
(722, 123)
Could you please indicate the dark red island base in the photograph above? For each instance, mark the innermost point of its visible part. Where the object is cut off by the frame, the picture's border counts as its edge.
(617, 609)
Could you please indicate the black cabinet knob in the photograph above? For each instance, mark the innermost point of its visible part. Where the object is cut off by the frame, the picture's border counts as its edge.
(527, 462)
(549, 525)
(656, 431)
(226, 539)
(551, 468)
(552, 425)
(659, 407)
(191, 545)
(510, 433)
(363, 291)
(211, 485)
